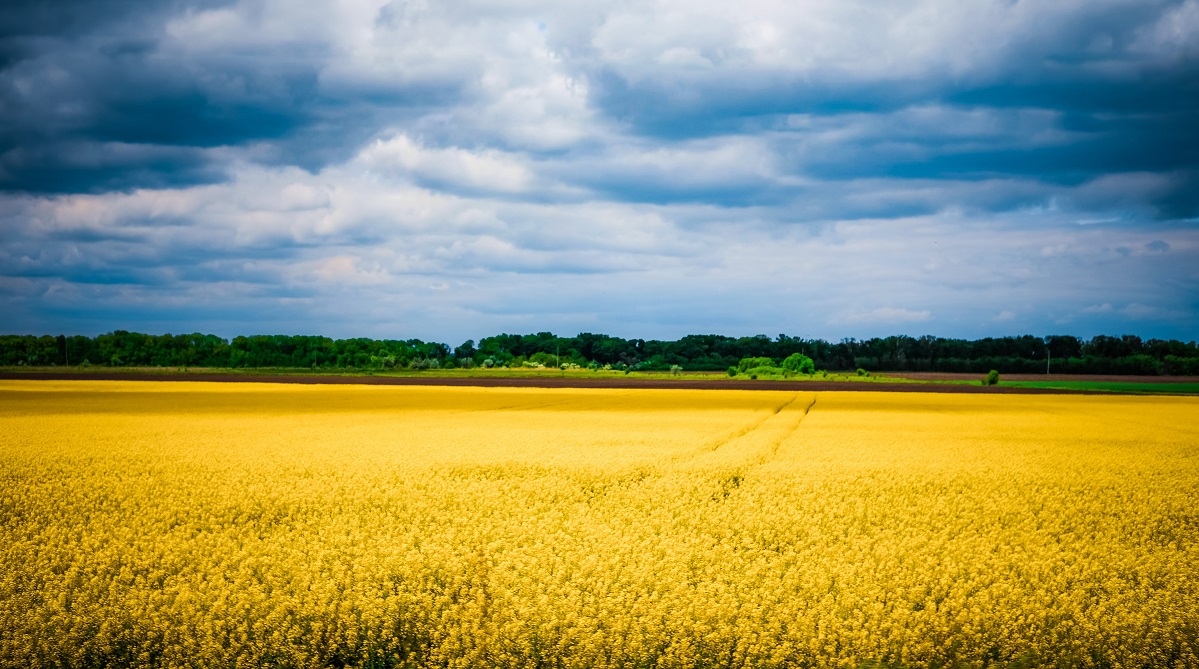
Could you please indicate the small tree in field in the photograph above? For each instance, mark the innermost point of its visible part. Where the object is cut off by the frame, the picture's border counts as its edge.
(992, 378)
(799, 363)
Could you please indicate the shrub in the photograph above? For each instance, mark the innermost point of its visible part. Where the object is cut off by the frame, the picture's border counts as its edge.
(862, 372)
(766, 372)
(749, 363)
(732, 371)
(992, 378)
(675, 370)
(799, 363)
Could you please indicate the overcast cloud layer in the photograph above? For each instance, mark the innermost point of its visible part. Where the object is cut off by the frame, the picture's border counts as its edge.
(450, 170)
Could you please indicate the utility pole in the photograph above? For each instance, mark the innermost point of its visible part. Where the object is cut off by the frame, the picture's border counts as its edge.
(1048, 357)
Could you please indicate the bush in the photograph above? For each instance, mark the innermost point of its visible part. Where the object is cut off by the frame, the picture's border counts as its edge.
(675, 370)
(749, 363)
(799, 363)
(766, 372)
(862, 372)
(732, 371)
(992, 378)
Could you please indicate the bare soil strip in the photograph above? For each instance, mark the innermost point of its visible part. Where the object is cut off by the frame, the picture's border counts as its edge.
(571, 382)
(948, 376)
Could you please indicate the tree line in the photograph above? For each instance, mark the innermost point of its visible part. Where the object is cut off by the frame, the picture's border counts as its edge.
(1062, 354)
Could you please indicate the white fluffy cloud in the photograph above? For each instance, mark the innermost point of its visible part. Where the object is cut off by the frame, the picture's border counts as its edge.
(487, 170)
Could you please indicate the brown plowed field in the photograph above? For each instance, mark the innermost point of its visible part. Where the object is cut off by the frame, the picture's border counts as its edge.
(945, 376)
(575, 382)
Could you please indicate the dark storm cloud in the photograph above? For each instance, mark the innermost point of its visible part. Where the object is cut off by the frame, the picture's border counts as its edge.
(825, 168)
(74, 166)
(77, 120)
(1126, 108)
(740, 102)
(94, 97)
(35, 18)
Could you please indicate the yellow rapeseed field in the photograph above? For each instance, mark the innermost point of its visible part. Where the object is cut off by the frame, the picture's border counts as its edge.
(247, 525)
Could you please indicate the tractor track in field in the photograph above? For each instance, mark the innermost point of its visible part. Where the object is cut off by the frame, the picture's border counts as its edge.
(551, 382)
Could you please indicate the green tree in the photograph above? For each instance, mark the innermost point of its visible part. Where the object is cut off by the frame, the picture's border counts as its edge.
(799, 363)
(466, 350)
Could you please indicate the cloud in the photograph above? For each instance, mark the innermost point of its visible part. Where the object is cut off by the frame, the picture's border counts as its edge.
(458, 166)
(346, 253)
(486, 170)
(890, 315)
(1138, 311)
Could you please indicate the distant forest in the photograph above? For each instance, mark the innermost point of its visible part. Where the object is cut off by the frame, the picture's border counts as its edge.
(1127, 354)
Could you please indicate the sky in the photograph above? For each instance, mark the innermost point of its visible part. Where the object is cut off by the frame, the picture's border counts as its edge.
(448, 170)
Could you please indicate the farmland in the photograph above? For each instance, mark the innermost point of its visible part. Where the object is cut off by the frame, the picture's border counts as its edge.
(194, 524)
